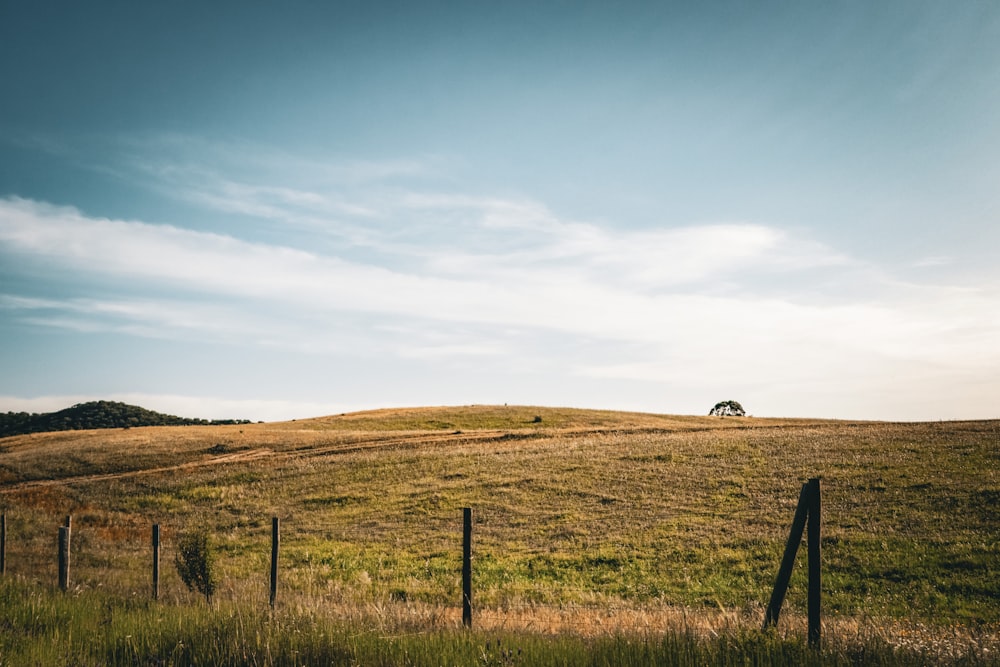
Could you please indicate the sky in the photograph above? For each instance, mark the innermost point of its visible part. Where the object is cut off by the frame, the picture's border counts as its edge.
(270, 211)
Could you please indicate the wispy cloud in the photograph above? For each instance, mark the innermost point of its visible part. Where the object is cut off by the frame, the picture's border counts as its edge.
(719, 304)
(503, 238)
(476, 288)
(937, 260)
(362, 206)
(578, 278)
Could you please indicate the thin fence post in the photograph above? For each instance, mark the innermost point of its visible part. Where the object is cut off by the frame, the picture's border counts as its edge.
(68, 523)
(3, 543)
(788, 561)
(64, 557)
(275, 538)
(156, 561)
(467, 567)
(813, 542)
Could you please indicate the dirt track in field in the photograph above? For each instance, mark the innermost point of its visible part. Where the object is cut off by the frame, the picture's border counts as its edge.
(376, 442)
(362, 441)
(236, 457)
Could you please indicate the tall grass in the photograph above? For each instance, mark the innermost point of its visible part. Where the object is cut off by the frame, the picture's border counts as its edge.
(43, 627)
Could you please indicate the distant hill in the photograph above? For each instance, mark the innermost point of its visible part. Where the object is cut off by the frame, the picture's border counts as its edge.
(96, 414)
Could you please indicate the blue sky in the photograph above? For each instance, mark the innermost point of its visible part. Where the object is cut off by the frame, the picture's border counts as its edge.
(246, 210)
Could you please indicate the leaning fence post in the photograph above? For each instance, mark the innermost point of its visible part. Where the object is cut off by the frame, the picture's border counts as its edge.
(467, 567)
(274, 559)
(156, 561)
(64, 557)
(788, 561)
(813, 543)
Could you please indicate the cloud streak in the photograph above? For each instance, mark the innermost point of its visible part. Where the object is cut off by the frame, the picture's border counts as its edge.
(724, 304)
(559, 281)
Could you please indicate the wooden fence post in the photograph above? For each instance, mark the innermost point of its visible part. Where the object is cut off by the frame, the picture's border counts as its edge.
(813, 542)
(3, 543)
(156, 561)
(274, 559)
(467, 567)
(64, 557)
(68, 523)
(788, 561)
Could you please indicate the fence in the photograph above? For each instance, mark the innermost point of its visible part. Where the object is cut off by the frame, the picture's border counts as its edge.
(807, 515)
(808, 508)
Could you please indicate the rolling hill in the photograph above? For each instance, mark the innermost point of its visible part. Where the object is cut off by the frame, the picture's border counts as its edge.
(582, 516)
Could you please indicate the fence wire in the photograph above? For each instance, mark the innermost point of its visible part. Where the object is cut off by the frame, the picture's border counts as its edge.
(533, 567)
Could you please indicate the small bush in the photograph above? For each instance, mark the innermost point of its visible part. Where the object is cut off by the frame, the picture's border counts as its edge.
(195, 562)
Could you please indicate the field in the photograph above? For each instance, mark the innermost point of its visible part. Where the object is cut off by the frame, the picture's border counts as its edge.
(590, 528)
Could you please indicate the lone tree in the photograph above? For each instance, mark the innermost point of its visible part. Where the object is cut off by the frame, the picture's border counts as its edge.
(727, 409)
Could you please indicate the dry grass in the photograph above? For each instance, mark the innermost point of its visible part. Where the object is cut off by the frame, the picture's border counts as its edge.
(585, 520)
(938, 644)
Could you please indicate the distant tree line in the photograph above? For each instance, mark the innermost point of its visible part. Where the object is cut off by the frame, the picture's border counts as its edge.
(97, 414)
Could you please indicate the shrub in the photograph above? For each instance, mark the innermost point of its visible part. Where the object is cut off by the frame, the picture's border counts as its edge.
(195, 562)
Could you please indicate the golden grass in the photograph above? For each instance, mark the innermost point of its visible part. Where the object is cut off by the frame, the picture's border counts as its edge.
(579, 515)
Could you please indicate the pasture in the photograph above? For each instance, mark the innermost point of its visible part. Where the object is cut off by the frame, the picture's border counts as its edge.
(591, 528)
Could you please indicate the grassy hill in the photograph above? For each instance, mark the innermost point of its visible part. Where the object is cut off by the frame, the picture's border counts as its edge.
(583, 518)
(92, 415)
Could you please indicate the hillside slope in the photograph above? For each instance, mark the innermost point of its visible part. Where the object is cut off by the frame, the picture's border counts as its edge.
(572, 507)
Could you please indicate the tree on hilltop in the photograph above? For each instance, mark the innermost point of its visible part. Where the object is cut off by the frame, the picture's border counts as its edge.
(727, 409)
